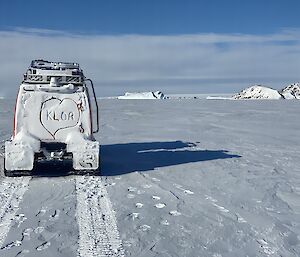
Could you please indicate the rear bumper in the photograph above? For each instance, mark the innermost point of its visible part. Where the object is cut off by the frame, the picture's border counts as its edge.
(22, 156)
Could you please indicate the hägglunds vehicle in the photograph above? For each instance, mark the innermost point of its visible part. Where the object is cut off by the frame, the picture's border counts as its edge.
(53, 120)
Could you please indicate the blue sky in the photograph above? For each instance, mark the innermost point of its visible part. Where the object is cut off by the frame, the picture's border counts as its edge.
(155, 17)
(171, 45)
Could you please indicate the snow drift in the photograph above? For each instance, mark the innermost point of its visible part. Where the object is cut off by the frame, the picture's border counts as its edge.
(143, 95)
(291, 91)
(258, 92)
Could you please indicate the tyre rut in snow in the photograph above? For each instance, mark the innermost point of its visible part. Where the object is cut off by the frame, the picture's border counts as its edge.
(11, 193)
(98, 233)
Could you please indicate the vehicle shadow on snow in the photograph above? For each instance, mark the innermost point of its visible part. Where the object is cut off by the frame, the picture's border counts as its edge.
(120, 159)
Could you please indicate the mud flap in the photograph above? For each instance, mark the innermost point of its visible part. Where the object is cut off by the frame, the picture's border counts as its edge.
(18, 156)
(85, 155)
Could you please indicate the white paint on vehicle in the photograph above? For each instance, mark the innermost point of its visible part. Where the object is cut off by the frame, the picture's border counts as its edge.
(98, 233)
(11, 194)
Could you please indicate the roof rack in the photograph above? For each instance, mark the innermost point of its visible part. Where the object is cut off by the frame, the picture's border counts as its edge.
(46, 65)
(41, 71)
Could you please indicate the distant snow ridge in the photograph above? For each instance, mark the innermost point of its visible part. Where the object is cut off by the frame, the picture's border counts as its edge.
(258, 92)
(292, 91)
(143, 95)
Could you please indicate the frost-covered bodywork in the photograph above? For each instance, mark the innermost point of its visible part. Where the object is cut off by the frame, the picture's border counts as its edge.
(53, 119)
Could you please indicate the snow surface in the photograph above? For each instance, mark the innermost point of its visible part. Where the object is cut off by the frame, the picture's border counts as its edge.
(210, 178)
(291, 91)
(143, 95)
(258, 92)
(196, 96)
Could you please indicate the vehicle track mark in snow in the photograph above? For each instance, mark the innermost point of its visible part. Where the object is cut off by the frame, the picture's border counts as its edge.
(139, 205)
(146, 186)
(134, 215)
(174, 213)
(98, 233)
(11, 245)
(165, 223)
(240, 219)
(11, 194)
(20, 218)
(214, 201)
(160, 205)
(41, 213)
(26, 234)
(155, 197)
(186, 191)
(131, 189)
(220, 208)
(23, 253)
(43, 246)
(155, 179)
(144, 227)
(267, 249)
(130, 196)
(55, 214)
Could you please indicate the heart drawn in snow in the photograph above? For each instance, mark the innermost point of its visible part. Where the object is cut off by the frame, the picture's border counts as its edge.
(59, 114)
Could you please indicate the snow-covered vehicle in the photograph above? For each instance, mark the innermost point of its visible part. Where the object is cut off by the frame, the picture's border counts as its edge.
(53, 120)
